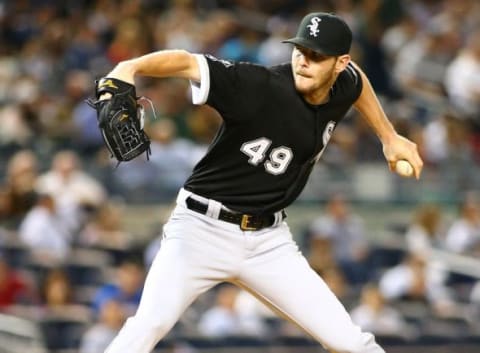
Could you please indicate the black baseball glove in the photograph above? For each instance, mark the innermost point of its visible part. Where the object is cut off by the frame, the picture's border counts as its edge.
(120, 119)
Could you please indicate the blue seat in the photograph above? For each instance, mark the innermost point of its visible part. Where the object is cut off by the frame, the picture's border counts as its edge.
(382, 257)
(63, 333)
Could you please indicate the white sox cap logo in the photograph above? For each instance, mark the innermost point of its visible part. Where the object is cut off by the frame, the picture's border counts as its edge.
(324, 33)
(314, 26)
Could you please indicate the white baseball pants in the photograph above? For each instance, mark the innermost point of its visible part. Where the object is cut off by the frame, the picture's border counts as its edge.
(199, 251)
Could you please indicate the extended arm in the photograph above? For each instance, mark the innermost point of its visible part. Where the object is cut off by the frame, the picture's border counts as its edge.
(395, 147)
(165, 63)
(120, 116)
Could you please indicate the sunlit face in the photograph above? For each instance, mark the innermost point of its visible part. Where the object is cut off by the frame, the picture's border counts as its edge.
(315, 73)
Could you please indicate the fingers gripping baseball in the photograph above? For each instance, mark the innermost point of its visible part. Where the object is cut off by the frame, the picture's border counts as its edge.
(403, 157)
(403, 168)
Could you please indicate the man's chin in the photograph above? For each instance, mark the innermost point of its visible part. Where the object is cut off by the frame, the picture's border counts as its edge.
(302, 87)
(303, 82)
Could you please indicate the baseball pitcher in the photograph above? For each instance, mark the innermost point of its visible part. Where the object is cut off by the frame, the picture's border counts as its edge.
(229, 224)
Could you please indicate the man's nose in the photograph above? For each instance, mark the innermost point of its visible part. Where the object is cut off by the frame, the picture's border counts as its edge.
(303, 60)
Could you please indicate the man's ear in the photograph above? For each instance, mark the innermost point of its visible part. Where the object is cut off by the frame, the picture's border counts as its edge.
(342, 62)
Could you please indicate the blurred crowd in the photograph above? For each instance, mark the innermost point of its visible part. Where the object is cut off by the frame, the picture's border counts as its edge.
(65, 255)
(422, 57)
(79, 281)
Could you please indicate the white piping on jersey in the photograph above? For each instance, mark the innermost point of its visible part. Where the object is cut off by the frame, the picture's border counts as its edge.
(201, 89)
(354, 73)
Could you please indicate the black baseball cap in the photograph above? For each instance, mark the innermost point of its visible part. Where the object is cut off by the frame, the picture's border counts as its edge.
(324, 33)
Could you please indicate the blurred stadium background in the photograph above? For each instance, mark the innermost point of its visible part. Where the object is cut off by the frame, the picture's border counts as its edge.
(78, 234)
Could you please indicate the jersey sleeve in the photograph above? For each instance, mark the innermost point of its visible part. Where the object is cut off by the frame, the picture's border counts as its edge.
(200, 89)
(229, 87)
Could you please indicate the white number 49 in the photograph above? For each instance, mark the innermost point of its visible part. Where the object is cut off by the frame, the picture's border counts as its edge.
(279, 158)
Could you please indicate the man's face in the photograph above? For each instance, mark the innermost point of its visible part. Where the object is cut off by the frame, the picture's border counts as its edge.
(312, 70)
(130, 277)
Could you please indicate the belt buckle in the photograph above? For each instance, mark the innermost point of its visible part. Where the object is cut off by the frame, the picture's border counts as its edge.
(246, 219)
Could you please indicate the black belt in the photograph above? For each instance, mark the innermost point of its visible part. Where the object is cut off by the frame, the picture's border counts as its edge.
(245, 221)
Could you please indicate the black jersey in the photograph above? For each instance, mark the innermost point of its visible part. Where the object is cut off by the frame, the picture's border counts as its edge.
(270, 138)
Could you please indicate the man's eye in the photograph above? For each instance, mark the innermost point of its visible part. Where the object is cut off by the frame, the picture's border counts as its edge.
(311, 55)
(317, 56)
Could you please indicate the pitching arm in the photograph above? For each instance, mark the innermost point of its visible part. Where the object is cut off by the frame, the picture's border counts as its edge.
(395, 147)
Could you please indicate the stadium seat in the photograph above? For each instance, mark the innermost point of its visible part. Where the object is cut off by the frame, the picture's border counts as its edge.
(86, 267)
(15, 252)
(62, 332)
(20, 335)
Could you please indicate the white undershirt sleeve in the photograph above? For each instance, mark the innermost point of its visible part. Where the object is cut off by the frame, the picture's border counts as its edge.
(201, 89)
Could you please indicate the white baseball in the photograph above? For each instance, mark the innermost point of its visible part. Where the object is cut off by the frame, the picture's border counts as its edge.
(404, 168)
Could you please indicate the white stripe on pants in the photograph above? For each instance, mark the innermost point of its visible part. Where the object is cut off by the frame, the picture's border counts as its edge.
(198, 252)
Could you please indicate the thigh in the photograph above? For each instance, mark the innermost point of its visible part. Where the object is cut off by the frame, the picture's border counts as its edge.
(186, 265)
(283, 279)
